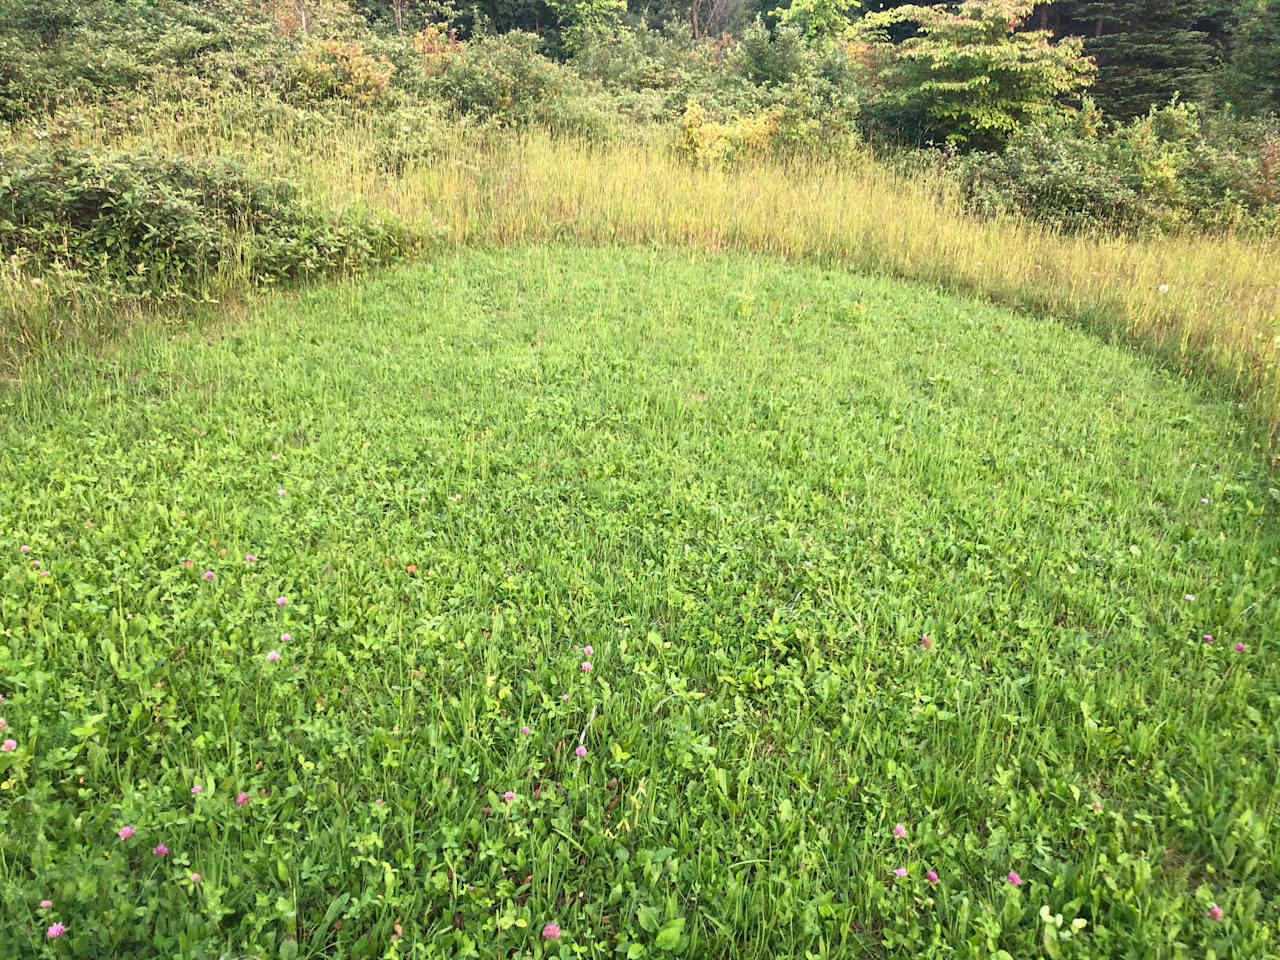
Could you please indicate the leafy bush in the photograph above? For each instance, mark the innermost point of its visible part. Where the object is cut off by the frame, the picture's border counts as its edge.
(56, 51)
(650, 75)
(822, 22)
(779, 132)
(790, 97)
(340, 70)
(316, 18)
(969, 78)
(437, 45)
(578, 20)
(700, 141)
(159, 226)
(770, 58)
(1054, 173)
(637, 58)
(501, 78)
(1172, 169)
(506, 81)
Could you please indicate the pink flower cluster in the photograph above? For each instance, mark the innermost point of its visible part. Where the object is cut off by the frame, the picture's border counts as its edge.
(900, 832)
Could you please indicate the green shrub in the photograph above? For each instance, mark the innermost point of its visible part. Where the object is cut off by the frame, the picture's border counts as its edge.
(1170, 170)
(340, 70)
(636, 58)
(1055, 175)
(777, 133)
(786, 97)
(501, 78)
(770, 58)
(650, 75)
(57, 51)
(505, 81)
(155, 226)
(578, 20)
(969, 78)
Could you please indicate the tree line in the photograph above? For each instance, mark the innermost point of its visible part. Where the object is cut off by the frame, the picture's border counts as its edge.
(1147, 51)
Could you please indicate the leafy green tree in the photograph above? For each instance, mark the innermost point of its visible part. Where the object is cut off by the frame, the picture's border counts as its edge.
(969, 76)
(819, 21)
(578, 19)
(768, 58)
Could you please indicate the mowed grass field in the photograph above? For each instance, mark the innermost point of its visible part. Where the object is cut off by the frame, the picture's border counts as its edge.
(915, 628)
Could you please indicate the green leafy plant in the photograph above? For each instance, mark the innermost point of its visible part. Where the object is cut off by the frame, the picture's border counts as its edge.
(506, 81)
(970, 77)
(161, 226)
(821, 22)
(579, 19)
(340, 70)
(1174, 169)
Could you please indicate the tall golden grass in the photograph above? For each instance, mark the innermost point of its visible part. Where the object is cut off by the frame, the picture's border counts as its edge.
(1207, 306)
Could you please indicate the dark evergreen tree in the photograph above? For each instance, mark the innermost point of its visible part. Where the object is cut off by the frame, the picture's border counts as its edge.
(1252, 80)
(1147, 50)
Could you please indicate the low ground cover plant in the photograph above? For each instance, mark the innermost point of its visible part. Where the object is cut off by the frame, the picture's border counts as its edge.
(794, 612)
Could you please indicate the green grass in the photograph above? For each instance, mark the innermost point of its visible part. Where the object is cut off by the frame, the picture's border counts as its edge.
(751, 488)
(1204, 306)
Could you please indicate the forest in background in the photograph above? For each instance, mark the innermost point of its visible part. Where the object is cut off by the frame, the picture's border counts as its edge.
(1146, 50)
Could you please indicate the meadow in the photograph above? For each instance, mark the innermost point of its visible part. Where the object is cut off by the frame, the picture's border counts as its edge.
(545, 600)
(1205, 306)
(605, 485)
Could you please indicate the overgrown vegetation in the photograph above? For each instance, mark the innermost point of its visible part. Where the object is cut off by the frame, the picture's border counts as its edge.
(54, 52)
(1173, 170)
(977, 77)
(159, 226)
